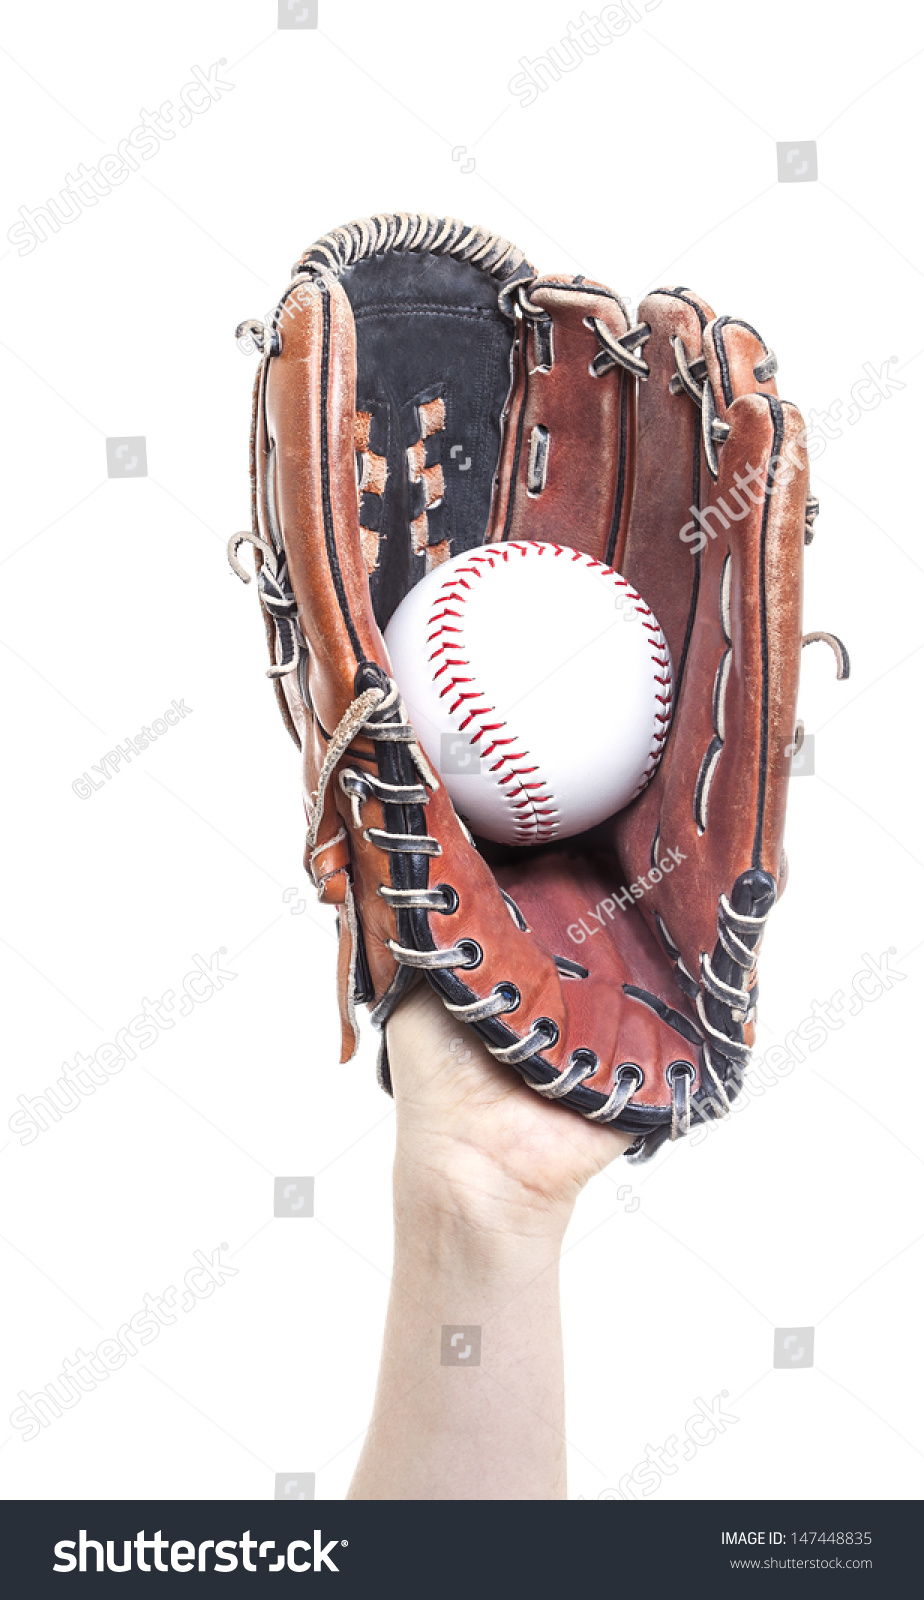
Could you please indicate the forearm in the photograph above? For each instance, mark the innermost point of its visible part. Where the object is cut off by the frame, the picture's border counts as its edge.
(466, 1257)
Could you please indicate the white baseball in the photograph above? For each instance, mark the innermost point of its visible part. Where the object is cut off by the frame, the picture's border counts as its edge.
(539, 684)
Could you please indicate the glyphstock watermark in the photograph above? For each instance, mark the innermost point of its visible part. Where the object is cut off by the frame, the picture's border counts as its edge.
(708, 1422)
(251, 333)
(114, 761)
(623, 899)
(83, 1076)
(876, 977)
(85, 1370)
(583, 37)
(91, 184)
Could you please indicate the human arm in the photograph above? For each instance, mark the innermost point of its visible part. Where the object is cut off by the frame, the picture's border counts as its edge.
(485, 1180)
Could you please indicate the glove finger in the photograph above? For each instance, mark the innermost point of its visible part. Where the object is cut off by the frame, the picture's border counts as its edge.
(565, 473)
(306, 489)
(723, 795)
(671, 476)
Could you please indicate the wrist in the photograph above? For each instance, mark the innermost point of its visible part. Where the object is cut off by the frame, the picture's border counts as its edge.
(458, 1192)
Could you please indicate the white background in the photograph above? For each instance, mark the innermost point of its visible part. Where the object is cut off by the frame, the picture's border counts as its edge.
(652, 162)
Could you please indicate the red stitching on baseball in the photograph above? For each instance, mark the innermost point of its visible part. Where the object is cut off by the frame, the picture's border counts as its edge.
(535, 826)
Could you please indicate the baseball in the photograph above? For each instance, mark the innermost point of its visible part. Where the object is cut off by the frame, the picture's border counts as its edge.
(539, 684)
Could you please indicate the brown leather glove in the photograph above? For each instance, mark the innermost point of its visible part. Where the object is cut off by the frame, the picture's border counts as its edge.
(422, 392)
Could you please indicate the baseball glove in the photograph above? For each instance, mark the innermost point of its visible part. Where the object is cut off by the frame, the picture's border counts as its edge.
(422, 392)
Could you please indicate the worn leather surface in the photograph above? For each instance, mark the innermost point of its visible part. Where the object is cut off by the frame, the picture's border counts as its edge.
(588, 488)
(625, 478)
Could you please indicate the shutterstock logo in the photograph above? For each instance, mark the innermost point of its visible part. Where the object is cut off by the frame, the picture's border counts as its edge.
(157, 1554)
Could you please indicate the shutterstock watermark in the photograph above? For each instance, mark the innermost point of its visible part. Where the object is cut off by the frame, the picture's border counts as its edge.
(92, 183)
(866, 395)
(85, 1370)
(709, 1422)
(113, 761)
(593, 30)
(748, 492)
(876, 977)
(624, 899)
(85, 1074)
